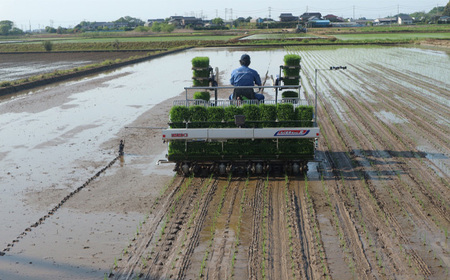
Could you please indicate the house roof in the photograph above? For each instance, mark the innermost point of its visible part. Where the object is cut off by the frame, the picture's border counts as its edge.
(405, 17)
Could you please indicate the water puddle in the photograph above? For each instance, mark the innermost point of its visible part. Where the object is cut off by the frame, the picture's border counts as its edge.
(390, 117)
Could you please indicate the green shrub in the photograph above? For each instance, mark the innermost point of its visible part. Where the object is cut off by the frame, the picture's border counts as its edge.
(5, 84)
(204, 95)
(179, 114)
(289, 94)
(48, 45)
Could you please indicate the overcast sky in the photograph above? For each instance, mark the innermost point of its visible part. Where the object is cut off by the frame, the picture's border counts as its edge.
(41, 13)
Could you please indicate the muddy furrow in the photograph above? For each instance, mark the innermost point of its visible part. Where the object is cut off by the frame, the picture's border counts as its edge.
(193, 238)
(373, 129)
(255, 253)
(426, 111)
(308, 247)
(220, 263)
(279, 259)
(131, 255)
(422, 267)
(382, 240)
(422, 172)
(423, 175)
(173, 230)
(342, 191)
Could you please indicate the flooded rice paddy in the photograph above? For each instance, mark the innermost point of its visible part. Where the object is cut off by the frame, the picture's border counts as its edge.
(54, 138)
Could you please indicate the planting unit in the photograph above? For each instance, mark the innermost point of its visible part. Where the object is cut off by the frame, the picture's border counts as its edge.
(225, 136)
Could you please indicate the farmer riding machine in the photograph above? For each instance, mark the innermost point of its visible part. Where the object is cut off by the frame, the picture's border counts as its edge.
(242, 136)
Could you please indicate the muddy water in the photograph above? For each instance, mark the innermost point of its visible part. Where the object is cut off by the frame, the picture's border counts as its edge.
(54, 138)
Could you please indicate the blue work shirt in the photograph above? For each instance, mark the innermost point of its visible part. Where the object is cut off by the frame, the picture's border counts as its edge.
(245, 76)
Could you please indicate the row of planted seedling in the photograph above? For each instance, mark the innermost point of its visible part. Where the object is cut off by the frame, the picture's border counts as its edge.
(434, 194)
(192, 217)
(380, 211)
(217, 213)
(289, 223)
(239, 226)
(317, 235)
(351, 198)
(409, 188)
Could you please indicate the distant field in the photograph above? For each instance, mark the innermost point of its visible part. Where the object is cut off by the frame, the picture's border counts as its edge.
(137, 39)
(279, 36)
(393, 36)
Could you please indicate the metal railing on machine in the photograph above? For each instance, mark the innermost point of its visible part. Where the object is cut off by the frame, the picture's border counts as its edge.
(216, 102)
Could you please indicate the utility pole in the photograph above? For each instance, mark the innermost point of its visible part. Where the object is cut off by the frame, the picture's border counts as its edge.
(353, 12)
(270, 11)
(231, 12)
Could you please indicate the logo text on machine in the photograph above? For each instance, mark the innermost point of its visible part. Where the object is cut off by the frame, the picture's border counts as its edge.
(292, 132)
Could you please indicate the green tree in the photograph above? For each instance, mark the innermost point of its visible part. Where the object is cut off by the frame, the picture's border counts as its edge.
(130, 21)
(16, 31)
(168, 27)
(5, 27)
(49, 29)
(446, 11)
(156, 27)
(218, 21)
(162, 27)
